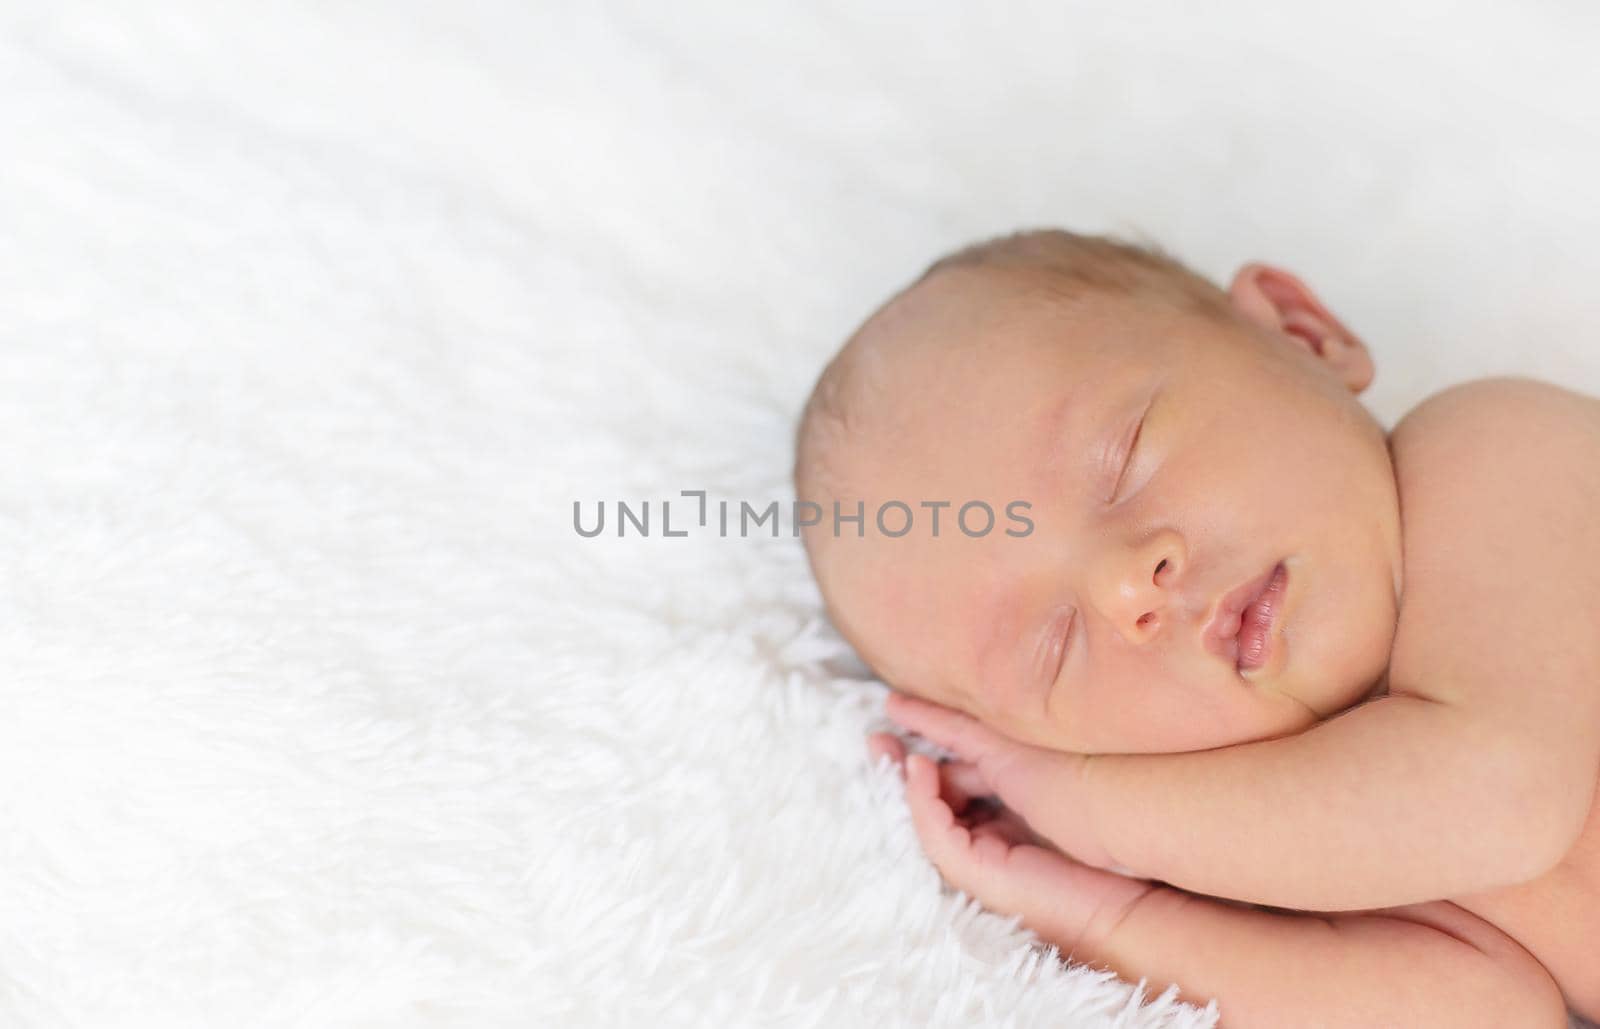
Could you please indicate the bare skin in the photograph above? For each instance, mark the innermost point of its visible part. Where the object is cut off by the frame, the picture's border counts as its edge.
(1409, 775)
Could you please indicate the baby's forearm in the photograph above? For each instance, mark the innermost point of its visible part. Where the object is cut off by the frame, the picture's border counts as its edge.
(1278, 969)
(1397, 801)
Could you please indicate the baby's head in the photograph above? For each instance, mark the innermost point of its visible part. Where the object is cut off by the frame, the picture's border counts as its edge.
(1171, 441)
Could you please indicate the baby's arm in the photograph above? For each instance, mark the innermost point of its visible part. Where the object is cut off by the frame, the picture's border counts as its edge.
(1397, 801)
(1394, 802)
(1433, 964)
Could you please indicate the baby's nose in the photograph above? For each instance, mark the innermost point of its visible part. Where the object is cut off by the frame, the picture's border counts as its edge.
(1135, 594)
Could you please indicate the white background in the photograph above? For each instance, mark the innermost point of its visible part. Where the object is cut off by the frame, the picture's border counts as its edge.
(315, 318)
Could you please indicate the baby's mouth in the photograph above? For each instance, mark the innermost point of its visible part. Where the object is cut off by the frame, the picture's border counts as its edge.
(1240, 630)
(1254, 638)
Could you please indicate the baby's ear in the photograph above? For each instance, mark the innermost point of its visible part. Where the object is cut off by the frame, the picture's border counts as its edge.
(1277, 301)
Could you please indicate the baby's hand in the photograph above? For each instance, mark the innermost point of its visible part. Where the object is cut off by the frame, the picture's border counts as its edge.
(1045, 787)
(992, 856)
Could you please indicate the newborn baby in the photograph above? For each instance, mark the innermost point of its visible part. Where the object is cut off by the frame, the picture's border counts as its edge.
(1251, 657)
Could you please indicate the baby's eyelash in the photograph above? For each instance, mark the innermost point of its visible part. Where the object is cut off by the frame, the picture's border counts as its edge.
(1060, 643)
(1128, 456)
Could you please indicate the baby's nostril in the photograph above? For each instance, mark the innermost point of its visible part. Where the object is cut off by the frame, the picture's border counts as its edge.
(1146, 618)
(1160, 566)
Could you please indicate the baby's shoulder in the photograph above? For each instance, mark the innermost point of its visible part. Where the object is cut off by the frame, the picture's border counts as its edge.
(1495, 452)
(1511, 406)
(1499, 481)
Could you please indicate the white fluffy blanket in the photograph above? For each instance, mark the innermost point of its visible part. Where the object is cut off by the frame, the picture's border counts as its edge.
(315, 320)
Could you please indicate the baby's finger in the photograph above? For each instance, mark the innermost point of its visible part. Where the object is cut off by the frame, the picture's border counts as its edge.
(1008, 826)
(966, 859)
(943, 838)
(887, 745)
(962, 784)
(945, 726)
(960, 781)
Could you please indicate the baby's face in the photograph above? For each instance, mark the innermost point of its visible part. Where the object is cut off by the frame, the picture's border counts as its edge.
(1090, 633)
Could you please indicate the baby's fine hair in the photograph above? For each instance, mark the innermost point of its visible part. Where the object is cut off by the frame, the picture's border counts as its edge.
(1061, 265)
(1073, 265)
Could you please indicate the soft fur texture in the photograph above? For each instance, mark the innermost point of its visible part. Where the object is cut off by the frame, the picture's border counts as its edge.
(319, 317)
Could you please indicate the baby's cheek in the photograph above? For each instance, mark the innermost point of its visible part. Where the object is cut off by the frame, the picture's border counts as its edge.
(1159, 713)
